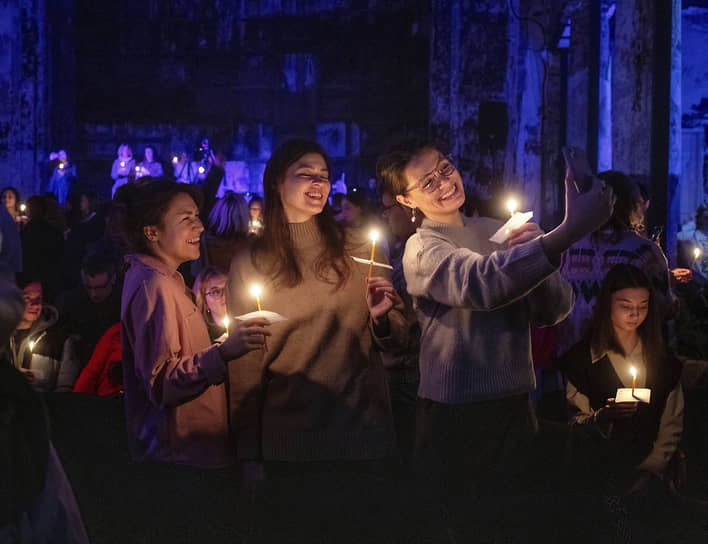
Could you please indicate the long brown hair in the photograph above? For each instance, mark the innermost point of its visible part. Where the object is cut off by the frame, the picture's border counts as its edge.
(602, 335)
(273, 254)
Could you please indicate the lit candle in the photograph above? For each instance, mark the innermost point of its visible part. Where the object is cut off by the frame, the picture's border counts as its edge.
(23, 208)
(137, 169)
(201, 169)
(31, 345)
(374, 236)
(696, 252)
(512, 205)
(175, 159)
(256, 292)
(226, 325)
(633, 371)
(122, 164)
(61, 166)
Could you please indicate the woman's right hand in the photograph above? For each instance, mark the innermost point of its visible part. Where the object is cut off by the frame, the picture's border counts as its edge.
(612, 411)
(586, 212)
(244, 337)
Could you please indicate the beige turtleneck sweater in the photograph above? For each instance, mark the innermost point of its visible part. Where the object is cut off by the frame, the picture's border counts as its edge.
(316, 393)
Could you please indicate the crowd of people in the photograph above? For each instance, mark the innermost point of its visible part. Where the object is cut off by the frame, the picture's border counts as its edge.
(416, 350)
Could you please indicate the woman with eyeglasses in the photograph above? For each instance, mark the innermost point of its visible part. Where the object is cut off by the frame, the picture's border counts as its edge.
(476, 302)
(210, 297)
(318, 393)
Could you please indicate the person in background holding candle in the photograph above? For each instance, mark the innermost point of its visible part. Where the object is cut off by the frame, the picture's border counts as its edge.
(255, 223)
(316, 394)
(476, 303)
(38, 348)
(122, 168)
(175, 400)
(150, 166)
(210, 297)
(624, 445)
(587, 262)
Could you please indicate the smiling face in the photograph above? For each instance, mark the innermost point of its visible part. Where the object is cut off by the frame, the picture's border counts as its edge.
(629, 309)
(305, 188)
(176, 240)
(430, 169)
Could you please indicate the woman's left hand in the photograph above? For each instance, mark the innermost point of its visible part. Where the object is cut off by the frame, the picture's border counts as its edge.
(639, 484)
(381, 296)
(526, 232)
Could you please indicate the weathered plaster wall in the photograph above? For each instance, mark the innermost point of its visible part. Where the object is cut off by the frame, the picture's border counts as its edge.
(23, 93)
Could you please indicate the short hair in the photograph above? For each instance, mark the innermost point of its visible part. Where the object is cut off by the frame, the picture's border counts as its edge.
(390, 165)
(145, 202)
(229, 216)
(98, 262)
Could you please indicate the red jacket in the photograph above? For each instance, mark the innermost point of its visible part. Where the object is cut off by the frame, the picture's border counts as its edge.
(103, 375)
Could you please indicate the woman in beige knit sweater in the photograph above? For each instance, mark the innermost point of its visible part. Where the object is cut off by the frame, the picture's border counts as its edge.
(318, 393)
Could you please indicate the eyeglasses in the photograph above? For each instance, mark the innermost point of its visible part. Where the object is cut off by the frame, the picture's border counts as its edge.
(215, 292)
(431, 183)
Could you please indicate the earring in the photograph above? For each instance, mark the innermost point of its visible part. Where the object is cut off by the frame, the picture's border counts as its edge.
(412, 215)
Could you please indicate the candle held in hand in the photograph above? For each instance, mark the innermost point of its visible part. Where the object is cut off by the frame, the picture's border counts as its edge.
(226, 324)
(511, 204)
(374, 236)
(696, 252)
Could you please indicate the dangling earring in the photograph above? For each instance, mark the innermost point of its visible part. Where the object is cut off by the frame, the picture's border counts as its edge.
(412, 215)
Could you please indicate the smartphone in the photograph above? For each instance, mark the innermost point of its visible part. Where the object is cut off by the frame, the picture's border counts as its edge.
(579, 167)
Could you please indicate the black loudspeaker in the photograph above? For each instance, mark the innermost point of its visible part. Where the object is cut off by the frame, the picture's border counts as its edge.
(493, 125)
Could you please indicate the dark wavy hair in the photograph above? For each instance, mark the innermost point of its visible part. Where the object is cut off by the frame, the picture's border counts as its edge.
(145, 202)
(602, 332)
(273, 254)
(626, 214)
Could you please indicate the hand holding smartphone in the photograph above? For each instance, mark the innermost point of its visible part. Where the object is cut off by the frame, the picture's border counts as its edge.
(578, 167)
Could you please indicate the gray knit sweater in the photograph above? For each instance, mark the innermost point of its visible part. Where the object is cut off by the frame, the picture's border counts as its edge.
(476, 307)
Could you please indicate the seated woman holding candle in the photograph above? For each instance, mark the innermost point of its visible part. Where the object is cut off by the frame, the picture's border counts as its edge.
(476, 303)
(175, 400)
(626, 442)
(316, 393)
(210, 297)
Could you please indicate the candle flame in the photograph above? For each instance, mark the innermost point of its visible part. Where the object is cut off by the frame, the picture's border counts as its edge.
(696, 252)
(633, 371)
(256, 290)
(31, 345)
(374, 235)
(175, 159)
(61, 166)
(122, 163)
(512, 205)
(137, 169)
(226, 322)
(201, 169)
(22, 207)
